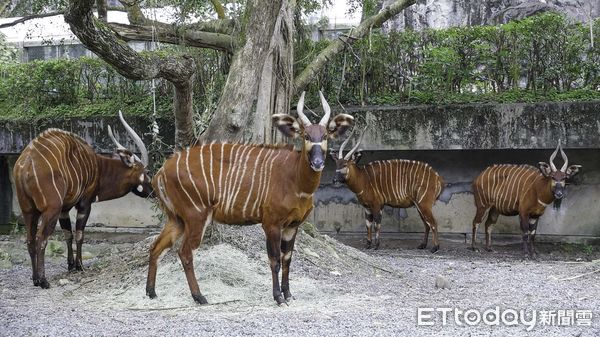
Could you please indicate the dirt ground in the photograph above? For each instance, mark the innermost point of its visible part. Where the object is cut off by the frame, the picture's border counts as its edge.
(340, 289)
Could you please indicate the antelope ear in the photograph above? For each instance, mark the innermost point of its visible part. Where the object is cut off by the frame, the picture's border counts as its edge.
(339, 125)
(287, 125)
(126, 157)
(356, 156)
(545, 169)
(573, 170)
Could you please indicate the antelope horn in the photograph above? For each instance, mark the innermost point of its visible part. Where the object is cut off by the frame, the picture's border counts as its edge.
(357, 143)
(340, 156)
(110, 134)
(136, 139)
(326, 109)
(554, 156)
(564, 157)
(301, 114)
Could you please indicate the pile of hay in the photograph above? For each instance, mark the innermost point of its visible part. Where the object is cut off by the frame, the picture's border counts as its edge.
(231, 266)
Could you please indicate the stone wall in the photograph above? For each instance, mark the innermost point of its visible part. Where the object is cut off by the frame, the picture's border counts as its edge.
(458, 141)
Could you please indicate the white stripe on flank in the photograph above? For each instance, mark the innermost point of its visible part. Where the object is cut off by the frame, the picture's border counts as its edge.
(187, 167)
(212, 176)
(373, 181)
(394, 167)
(516, 187)
(208, 198)
(242, 174)
(421, 183)
(181, 185)
(64, 170)
(220, 196)
(427, 185)
(51, 172)
(256, 162)
(37, 181)
(402, 180)
(411, 180)
(71, 147)
(232, 161)
(237, 175)
(266, 192)
(58, 162)
(262, 180)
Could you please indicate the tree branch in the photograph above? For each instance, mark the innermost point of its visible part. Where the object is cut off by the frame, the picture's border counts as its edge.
(30, 17)
(310, 72)
(169, 34)
(219, 9)
(100, 39)
(102, 10)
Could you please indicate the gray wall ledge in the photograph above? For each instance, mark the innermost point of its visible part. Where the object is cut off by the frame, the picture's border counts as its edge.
(481, 126)
(407, 127)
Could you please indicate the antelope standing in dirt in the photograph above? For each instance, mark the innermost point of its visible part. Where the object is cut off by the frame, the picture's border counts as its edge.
(397, 183)
(519, 190)
(57, 171)
(244, 184)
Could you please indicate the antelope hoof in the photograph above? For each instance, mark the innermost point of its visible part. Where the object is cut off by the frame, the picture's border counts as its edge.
(151, 293)
(368, 245)
(435, 248)
(422, 246)
(79, 266)
(489, 249)
(288, 296)
(199, 299)
(280, 300)
(71, 266)
(377, 242)
(42, 283)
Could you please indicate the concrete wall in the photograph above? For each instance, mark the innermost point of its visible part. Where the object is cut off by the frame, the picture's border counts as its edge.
(579, 214)
(458, 141)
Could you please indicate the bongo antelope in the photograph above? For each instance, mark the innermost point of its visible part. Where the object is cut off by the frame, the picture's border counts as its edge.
(57, 171)
(519, 190)
(244, 184)
(397, 183)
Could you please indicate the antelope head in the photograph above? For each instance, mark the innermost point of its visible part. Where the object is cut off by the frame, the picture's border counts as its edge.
(345, 163)
(558, 177)
(315, 135)
(134, 168)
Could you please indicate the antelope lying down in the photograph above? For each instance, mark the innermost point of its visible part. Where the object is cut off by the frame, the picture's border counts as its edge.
(397, 183)
(57, 171)
(519, 190)
(244, 184)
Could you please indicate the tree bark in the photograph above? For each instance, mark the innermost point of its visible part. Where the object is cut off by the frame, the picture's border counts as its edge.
(268, 40)
(171, 35)
(179, 70)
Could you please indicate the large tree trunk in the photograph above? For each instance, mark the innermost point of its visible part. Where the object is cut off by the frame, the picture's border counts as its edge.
(260, 78)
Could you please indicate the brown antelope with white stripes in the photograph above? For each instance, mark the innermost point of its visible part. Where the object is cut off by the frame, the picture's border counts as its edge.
(57, 171)
(519, 190)
(244, 184)
(397, 183)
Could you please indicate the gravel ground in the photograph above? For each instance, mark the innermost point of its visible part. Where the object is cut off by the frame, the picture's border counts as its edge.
(339, 290)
